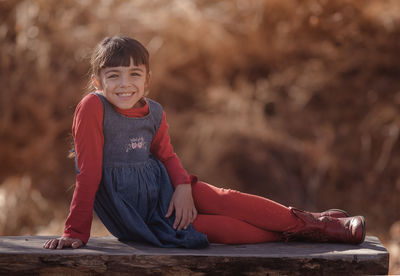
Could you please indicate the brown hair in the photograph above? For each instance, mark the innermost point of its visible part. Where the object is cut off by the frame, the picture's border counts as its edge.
(118, 51)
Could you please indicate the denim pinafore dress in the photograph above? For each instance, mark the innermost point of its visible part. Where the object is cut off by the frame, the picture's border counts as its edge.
(135, 189)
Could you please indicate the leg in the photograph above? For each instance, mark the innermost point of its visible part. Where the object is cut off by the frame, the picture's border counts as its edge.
(272, 216)
(227, 230)
(255, 210)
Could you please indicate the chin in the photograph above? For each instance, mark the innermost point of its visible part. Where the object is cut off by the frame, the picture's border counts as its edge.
(125, 106)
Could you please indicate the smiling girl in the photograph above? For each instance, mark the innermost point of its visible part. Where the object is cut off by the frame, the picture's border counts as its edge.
(128, 173)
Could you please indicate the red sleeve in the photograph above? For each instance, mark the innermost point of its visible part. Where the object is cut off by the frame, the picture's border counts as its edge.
(87, 130)
(162, 149)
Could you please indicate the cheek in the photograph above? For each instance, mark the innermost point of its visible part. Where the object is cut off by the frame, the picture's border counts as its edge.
(108, 85)
(140, 83)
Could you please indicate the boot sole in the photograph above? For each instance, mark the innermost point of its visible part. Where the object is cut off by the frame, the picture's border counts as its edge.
(364, 228)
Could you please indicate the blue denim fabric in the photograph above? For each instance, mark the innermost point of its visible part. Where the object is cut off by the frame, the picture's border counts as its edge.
(135, 190)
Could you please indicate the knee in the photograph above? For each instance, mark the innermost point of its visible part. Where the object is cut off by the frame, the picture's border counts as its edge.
(205, 188)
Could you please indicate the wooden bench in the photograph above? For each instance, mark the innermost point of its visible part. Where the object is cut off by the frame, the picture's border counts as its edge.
(24, 255)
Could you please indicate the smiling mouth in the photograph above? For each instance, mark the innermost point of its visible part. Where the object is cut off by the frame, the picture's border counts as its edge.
(125, 94)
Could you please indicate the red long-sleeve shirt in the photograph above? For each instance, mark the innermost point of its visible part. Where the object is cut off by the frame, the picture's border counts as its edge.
(87, 130)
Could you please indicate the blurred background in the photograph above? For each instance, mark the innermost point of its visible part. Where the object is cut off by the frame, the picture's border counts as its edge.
(296, 100)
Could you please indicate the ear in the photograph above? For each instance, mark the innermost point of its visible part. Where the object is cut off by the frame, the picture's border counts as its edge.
(148, 80)
(96, 82)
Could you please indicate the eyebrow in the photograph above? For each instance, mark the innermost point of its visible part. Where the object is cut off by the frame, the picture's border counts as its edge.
(117, 70)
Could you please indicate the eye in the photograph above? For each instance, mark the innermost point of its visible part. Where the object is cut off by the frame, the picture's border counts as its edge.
(112, 76)
(135, 74)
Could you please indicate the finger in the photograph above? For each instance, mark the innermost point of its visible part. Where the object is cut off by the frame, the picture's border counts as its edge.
(189, 219)
(61, 243)
(170, 209)
(76, 244)
(194, 212)
(46, 244)
(179, 225)
(184, 220)
(178, 218)
(53, 244)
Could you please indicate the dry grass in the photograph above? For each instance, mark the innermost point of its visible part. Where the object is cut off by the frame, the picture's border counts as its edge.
(294, 100)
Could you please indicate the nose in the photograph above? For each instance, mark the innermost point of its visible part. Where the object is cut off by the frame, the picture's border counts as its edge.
(124, 81)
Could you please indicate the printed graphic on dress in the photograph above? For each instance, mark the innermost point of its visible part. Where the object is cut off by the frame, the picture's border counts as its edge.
(136, 143)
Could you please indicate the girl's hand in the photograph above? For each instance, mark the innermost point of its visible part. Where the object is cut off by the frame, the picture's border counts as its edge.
(182, 203)
(62, 242)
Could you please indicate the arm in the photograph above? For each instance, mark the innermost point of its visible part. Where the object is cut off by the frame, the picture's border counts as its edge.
(162, 149)
(87, 131)
(182, 199)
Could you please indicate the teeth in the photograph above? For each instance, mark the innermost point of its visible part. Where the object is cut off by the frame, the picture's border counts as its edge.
(124, 94)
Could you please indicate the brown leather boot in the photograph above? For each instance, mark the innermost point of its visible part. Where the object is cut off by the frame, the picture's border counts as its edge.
(335, 213)
(327, 229)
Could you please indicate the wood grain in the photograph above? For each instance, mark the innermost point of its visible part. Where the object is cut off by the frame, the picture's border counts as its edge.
(105, 256)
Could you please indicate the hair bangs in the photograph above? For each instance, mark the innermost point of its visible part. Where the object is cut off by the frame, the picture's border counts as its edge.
(115, 59)
(119, 51)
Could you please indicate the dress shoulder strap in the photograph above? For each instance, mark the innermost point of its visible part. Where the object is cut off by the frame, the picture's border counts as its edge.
(102, 98)
(156, 112)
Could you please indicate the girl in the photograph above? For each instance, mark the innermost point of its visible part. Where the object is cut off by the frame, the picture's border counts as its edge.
(129, 174)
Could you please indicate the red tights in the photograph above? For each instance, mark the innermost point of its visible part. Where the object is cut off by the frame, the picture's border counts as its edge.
(231, 217)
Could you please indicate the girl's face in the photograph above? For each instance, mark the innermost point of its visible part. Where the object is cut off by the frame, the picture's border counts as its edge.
(123, 86)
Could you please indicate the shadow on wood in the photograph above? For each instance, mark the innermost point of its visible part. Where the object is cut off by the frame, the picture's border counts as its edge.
(25, 255)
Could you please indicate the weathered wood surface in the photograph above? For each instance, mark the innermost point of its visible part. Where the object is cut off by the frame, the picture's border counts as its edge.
(107, 256)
